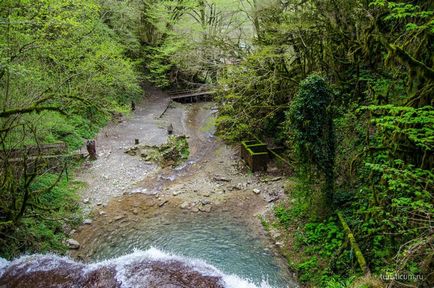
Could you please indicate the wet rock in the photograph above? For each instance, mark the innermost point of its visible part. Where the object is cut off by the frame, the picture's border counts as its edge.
(87, 221)
(72, 243)
(256, 191)
(51, 271)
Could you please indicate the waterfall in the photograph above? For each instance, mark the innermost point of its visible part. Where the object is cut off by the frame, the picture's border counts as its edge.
(150, 268)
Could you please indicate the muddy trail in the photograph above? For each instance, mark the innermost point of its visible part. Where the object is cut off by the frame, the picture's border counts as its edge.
(207, 207)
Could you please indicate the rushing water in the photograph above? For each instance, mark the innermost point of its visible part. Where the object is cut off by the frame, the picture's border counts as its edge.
(219, 240)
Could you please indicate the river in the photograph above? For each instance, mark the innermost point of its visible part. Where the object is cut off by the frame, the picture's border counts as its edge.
(199, 219)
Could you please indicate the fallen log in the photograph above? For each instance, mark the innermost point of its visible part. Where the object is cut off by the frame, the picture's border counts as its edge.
(360, 258)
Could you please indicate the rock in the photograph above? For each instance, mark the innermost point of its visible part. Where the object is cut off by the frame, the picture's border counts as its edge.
(256, 191)
(279, 243)
(139, 190)
(119, 217)
(275, 234)
(135, 211)
(102, 213)
(205, 208)
(176, 193)
(86, 201)
(205, 202)
(239, 186)
(185, 205)
(87, 221)
(272, 199)
(195, 210)
(72, 243)
(163, 203)
(221, 178)
(99, 204)
(275, 179)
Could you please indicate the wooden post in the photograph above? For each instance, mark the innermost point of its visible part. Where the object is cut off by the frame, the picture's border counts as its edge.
(170, 129)
(91, 149)
(136, 141)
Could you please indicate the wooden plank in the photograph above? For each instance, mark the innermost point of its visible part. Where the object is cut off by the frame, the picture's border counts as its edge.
(43, 149)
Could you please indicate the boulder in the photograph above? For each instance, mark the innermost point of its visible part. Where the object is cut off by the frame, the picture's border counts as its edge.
(72, 243)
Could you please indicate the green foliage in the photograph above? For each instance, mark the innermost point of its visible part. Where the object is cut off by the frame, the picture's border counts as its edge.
(307, 269)
(400, 201)
(282, 213)
(324, 238)
(312, 131)
(63, 74)
(42, 230)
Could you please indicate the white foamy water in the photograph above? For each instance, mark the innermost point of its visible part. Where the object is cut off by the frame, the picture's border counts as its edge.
(154, 254)
(130, 271)
(3, 264)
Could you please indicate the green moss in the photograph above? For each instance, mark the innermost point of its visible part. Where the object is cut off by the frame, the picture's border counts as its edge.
(42, 229)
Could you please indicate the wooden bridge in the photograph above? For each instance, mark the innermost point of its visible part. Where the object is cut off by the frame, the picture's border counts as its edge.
(188, 96)
(44, 156)
(191, 96)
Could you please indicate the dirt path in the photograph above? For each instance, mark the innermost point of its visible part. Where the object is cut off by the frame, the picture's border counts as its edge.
(114, 172)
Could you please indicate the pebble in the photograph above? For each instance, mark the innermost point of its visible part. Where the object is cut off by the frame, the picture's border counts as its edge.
(87, 221)
(256, 191)
(184, 205)
(279, 243)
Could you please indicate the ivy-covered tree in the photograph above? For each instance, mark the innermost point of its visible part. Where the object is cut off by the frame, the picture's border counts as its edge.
(312, 133)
